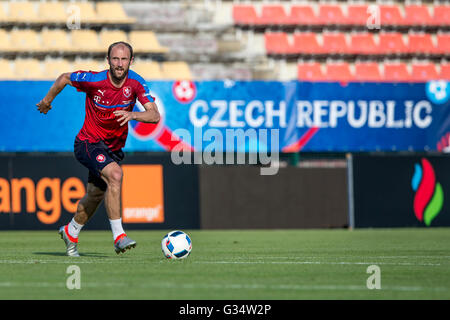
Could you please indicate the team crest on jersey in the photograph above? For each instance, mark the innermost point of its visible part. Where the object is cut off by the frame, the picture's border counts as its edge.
(101, 158)
(127, 91)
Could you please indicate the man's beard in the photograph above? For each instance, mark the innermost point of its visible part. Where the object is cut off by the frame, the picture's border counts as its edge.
(117, 78)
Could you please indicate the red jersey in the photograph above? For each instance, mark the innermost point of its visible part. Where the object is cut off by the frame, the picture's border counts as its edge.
(102, 99)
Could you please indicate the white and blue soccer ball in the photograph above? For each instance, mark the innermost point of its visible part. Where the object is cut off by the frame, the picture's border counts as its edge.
(176, 245)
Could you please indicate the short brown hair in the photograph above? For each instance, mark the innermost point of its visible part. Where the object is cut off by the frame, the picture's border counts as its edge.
(126, 44)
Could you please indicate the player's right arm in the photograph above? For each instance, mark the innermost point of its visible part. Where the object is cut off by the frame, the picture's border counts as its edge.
(45, 104)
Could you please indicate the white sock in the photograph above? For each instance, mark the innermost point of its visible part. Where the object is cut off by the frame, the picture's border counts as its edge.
(116, 228)
(74, 228)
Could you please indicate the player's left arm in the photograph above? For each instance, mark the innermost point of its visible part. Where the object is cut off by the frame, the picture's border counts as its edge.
(150, 115)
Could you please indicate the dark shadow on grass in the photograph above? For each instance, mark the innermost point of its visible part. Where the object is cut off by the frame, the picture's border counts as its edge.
(62, 254)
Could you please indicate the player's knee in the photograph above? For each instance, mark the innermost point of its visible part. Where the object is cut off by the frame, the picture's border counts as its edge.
(115, 177)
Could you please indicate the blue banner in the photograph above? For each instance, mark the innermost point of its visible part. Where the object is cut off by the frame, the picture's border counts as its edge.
(246, 116)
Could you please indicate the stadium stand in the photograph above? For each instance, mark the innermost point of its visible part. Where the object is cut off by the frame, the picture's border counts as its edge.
(233, 39)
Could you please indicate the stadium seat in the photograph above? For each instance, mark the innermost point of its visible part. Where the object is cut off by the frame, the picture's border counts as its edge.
(367, 71)
(273, 15)
(392, 43)
(424, 72)
(396, 72)
(56, 41)
(421, 43)
(277, 43)
(245, 15)
(113, 12)
(363, 43)
(307, 43)
(303, 15)
(445, 71)
(5, 18)
(26, 40)
(87, 12)
(334, 43)
(86, 41)
(176, 70)
(28, 69)
(6, 70)
(441, 14)
(338, 71)
(5, 43)
(145, 42)
(331, 15)
(88, 65)
(52, 12)
(149, 70)
(417, 15)
(443, 43)
(107, 37)
(391, 15)
(55, 67)
(23, 12)
(311, 71)
(357, 14)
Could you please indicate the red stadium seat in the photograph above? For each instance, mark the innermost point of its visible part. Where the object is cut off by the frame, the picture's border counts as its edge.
(367, 71)
(424, 72)
(396, 72)
(363, 43)
(443, 43)
(445, 71)
(357, 14)
(441, 14)
(421, 43)
(417, 15)
(307, 43)
(391, 15)
(274, 15)
(303, 15)
(310, 72)
(277, 43)
(339, 71)
(391, 43)
(334, 43)
(331, 15)
(245, 15)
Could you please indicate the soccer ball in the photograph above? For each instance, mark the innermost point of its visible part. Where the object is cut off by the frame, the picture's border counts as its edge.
(176, 245)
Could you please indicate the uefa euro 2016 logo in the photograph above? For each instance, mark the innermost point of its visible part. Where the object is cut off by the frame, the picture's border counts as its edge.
(429, 196)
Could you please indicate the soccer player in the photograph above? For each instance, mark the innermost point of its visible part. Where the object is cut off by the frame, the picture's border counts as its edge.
(110, 97)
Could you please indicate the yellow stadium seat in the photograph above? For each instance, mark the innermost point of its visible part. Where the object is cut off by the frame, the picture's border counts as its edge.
(6, 70)
(107, 37)
(149, 70)
(23, 12)
(4, 16)
(86, 41)
(113, 12)
(26, 40)
(176, 70)
(87, 65)
(146, 42)
(52, 12)
(55, 67)
(28, 69)
(56, 40)
(86, 10)
(5, 43)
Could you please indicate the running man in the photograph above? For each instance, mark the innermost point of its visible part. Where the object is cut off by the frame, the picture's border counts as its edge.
(110, 97)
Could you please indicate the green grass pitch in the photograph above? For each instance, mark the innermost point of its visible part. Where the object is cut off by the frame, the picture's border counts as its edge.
(229, 265)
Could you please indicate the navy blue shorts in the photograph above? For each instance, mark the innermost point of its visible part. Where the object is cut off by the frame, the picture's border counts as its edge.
(96, 156)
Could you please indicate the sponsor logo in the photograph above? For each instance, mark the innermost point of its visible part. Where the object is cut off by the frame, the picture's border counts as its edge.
(438, 91)
(429, 196)
(45, 197)
(143, 194)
